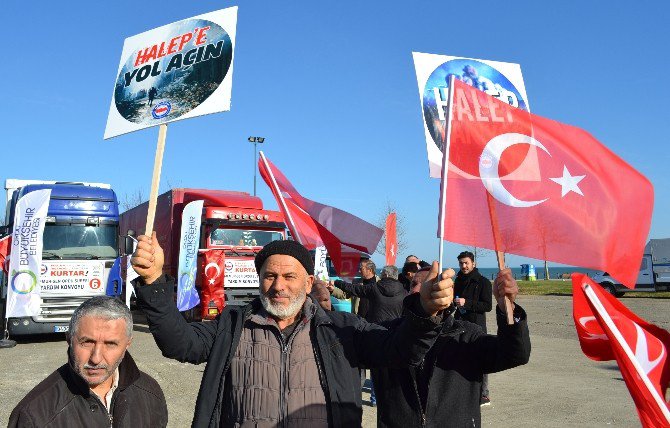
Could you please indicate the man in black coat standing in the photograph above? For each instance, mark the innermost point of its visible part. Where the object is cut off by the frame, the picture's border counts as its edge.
(445, 390)
(472, 297)
(386, 303)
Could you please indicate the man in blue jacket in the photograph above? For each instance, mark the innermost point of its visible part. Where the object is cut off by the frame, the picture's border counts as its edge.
(282, 360)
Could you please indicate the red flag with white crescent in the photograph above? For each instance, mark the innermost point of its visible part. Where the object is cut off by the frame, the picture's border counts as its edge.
(608, 330)
(213, 270)
(574, 202)
(391, 240)
(314, 224)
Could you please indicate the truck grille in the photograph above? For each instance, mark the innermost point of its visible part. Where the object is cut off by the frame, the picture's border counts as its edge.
(58, 309)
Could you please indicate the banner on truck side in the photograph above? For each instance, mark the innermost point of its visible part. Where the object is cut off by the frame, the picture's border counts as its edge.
(187, 295)
(23, 290)
(502, 80)
(320, 266)
(240, 273)
(84, 278)
(177, 71)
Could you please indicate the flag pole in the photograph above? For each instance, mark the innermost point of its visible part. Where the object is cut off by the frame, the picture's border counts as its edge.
(509, 312)
(445, 168)
(289, 219)
(595, 301)
(155, 179)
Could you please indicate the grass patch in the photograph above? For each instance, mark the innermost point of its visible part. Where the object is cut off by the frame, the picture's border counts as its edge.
(557, 287)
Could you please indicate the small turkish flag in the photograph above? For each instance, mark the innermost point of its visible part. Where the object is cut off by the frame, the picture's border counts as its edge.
(212, 271)
(608, 330)
(526, 185)
(391, 240)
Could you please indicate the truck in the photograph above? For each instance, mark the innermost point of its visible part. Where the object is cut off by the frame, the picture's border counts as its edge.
(654, 271)
(234, 227)
(80, 250)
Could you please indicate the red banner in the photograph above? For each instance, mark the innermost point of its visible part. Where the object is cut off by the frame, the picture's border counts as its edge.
(391, 240)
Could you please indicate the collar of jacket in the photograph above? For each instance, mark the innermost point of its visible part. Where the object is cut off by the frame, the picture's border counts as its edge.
(474, 274)
(128, 374)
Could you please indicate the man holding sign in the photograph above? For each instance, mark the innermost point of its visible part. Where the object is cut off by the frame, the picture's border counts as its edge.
(296, 363)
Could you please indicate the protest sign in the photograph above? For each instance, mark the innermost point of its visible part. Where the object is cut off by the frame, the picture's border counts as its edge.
(177, 71)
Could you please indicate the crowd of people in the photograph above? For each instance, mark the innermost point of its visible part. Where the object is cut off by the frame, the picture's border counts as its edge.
(287, 359)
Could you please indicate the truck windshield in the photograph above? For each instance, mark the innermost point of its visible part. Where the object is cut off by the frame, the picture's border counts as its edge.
(78, 241)
(243, 237)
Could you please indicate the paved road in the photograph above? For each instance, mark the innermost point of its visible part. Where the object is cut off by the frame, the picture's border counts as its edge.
(560, 387)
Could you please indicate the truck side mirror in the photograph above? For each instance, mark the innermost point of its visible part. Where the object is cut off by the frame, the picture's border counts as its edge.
(128, 245)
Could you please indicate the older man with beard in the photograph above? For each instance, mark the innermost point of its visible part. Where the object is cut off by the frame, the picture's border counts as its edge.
(100, 386)
(282, 360)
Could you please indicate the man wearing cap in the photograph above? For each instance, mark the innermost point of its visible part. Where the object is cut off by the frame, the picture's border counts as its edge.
(283, 360)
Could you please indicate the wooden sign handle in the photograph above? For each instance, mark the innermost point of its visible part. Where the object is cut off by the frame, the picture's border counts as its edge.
(508, 303)
(155, 179)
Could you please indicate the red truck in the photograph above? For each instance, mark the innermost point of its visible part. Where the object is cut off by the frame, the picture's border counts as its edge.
(234, 228)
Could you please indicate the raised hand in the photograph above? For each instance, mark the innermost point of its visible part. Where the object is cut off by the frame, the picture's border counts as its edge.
(505, 285)
(437, 294)
(148, 258)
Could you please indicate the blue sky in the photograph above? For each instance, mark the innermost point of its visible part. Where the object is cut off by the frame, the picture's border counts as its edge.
(332, 88)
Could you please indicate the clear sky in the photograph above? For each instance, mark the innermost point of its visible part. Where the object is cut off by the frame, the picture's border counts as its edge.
(332, 88)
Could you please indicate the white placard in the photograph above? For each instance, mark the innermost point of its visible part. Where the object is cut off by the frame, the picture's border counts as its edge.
(502, 80)
(177, 71)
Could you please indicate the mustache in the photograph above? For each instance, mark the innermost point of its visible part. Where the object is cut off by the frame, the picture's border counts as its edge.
(96, 366)
(278, 294)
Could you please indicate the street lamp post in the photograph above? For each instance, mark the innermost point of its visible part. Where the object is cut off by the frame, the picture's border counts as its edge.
(255, 140)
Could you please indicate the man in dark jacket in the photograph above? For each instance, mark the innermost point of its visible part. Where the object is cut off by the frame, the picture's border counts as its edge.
(473, 300)
(100, 386)
(386, 300)
(283, 360)
(445, 389)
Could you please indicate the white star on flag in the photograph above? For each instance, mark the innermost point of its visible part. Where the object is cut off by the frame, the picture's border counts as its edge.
(568, 182)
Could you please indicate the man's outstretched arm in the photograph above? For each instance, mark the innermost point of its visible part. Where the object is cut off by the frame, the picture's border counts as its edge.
(176, 338)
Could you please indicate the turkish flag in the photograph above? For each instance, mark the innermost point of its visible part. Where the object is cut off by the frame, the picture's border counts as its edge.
(313, 224)
(526, 185)
(5, 245)
(391, 240)
(212, 271)
(607, 330)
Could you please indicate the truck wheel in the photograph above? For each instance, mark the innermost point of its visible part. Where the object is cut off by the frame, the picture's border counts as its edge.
(619, 294)
(610, 288)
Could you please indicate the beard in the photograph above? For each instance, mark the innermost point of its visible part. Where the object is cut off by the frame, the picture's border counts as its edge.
(280, 311)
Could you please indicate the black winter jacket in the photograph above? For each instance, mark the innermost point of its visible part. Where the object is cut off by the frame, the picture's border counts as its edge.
(343, 342)
(64, 400)
(445, 390)
(385, 297)
(478, 295)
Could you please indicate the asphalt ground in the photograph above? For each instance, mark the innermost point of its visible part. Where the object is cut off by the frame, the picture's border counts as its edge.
(559, 387)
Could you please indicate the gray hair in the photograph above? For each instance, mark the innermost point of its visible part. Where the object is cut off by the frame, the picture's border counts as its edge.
(105, 307)
(370, 265)
(390, 272)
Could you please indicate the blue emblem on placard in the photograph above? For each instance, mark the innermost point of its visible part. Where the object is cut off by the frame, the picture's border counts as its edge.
(161, 110)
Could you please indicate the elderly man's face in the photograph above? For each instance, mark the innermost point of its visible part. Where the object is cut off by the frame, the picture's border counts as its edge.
(284, 285)
(97, 348)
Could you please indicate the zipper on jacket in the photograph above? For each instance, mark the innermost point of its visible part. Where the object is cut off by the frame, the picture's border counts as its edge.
(418, 396)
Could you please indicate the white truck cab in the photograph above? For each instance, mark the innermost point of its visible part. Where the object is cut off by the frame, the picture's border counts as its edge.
(654, 272)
